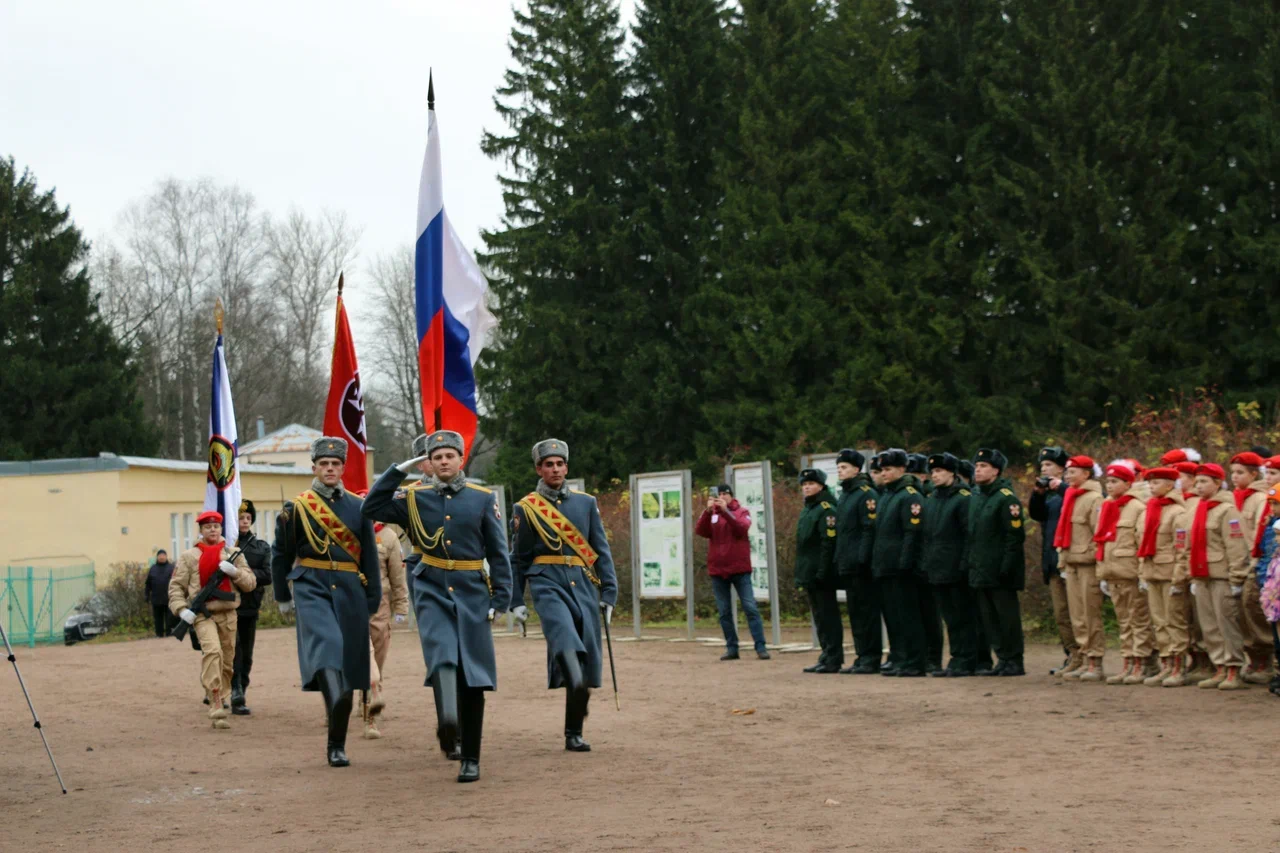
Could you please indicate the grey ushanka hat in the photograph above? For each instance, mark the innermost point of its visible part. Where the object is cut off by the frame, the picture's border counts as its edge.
(439, 439)
(327, 446)
(550, 447)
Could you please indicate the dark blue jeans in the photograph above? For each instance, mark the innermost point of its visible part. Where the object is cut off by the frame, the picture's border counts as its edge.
(747, 596)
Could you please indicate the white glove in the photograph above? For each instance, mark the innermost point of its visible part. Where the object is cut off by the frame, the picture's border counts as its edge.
(1142, 585)
(1195, 589)
(187, 616)
(490, 614)
(285, 606)
(411, 465)
(401, 618)
(1177, 590)
(1062, 575)
(1106, 590)
(608, 613)
(228, 569)
(1237, 591)
(521, 613)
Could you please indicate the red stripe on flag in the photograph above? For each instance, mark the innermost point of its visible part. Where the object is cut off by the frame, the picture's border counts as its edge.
(431, 371)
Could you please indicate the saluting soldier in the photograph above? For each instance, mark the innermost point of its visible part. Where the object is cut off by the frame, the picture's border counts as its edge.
(562, 551)
(328, 550)
(215, 624)
(257, 553)
(855, 533)
(946, 528)
(997, 565)
(895, 558)
(455, 526)
(816, 572)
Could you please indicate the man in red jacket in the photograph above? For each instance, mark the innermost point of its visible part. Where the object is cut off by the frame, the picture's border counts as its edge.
(726, 522)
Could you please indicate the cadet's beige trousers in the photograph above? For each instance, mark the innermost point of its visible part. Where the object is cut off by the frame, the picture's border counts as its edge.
(217, 636)
(379, 641)
(1219, 616)
(1084, 598)
(1134, 618)
(1062, 615)
(1168, 617)
(1253, 624)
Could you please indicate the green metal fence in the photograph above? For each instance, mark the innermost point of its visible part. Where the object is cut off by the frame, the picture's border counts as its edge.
(35, 600)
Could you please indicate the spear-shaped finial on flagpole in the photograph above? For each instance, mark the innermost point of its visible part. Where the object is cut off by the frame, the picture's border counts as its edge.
(431, 91)
(339, 285)
(217, 314)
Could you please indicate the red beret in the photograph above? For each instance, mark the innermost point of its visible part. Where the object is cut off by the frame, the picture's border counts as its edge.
(1160, 474)
(1121, 472)
(1135, 465)
(1173, 456)
(1080, 462)
(1186, 468)
(1211, 470)
(208, 516)
(1273, 462)
(1248, 458)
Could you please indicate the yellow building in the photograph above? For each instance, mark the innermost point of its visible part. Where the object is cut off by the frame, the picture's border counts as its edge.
(112, 509)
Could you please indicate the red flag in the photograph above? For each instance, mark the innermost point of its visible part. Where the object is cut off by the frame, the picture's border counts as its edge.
(344, 410)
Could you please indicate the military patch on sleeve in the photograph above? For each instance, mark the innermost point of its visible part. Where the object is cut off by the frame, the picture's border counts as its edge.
(1180, 540)
(915, 521)
(831, 534)
(1006, 492)
(915, 509)
(871, 505)
(497, 511)
(1236, 532)
(1015, 510)
(1016, 523)
(831, 521)
(515, 522)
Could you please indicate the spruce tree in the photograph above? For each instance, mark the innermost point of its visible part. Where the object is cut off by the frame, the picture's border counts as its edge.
(67, 385)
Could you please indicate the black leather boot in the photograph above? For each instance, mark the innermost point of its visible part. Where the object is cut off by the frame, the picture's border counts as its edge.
(338, 706)
(448, 732)
(238, 707)
(576, 696)
(471, 710)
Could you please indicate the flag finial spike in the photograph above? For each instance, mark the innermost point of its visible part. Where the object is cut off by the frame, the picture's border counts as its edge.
(431, 90)
(217, 314)
(339, 285)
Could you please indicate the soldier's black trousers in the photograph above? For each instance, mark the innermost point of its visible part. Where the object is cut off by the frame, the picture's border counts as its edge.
(901, 607)
(960, 611)
(862, 599)
(1002, 621)
(827, 621)
(246, 635)
(930, 622)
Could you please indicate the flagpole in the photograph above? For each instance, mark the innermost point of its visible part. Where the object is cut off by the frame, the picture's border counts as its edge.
(217, 314)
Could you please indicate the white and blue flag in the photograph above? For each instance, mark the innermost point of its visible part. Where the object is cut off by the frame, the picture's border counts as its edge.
(222, 492)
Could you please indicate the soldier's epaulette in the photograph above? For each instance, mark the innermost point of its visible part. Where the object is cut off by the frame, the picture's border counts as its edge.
(911, 490)
(576, 492)
(413, 487)
(826, 505)
(1006, 492)
(866, 488)
(479, 488)
(965, 492)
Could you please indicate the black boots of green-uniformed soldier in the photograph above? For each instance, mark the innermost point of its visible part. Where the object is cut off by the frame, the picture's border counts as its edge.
(576, 697)
(337, 706)
(455, 752)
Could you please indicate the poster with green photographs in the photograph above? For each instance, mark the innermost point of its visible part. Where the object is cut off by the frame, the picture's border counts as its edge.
(661, 535)
(748, 485)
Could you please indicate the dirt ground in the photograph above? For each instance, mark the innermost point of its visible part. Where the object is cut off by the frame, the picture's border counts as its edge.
(830, 762)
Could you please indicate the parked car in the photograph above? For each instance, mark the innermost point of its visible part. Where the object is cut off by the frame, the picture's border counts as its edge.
(89, 619)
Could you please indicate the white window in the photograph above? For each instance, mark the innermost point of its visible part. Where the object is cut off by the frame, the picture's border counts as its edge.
(188, 530)
(173, 536)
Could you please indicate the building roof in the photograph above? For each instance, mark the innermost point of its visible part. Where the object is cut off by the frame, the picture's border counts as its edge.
(294, 438)
(112, 462)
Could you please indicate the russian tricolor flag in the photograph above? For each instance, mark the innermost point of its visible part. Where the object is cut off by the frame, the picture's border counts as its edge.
(453, 320)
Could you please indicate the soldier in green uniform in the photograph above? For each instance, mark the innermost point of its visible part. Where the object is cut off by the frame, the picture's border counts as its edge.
(918, 467)
(965, 473)
(946, 527)
(997, 567)
(982, 649)
(816, 572)
(855, 531)
(930, 619)
(895, 556)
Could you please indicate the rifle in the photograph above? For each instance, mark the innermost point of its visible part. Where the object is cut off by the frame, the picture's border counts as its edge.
(208, 591)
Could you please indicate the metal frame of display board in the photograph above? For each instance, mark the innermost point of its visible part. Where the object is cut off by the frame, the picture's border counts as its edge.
(577, 484)
(771, 544)
(686, 503)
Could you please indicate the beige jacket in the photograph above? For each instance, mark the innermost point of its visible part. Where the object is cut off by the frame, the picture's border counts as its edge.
(1171, 541)
(1227, 543)
(1084, 522)
(185, 583)
(1254, 506)
(1120, 558)
(391, 559)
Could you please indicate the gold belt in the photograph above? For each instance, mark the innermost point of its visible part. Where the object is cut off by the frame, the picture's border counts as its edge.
(333, 566)
(457, 566)
(567, 560)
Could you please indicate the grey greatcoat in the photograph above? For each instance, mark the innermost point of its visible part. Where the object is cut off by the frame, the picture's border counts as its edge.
(462, 523)
(566, 599)
(333, 607)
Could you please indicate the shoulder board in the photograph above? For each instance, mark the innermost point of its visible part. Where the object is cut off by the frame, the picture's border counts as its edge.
(826, 505)
(866, 488)
(479, 488)
(911, 490)
(576, 492)
(966, 492)
(1006, 492)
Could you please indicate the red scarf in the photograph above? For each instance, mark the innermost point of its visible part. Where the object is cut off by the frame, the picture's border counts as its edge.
(377, 527)
(1262, 527)
(210, 557)
(1107, 520)
(1062, 536)
(1155, 508)
(1186, 496)
(1199, 539)
(1241, 495)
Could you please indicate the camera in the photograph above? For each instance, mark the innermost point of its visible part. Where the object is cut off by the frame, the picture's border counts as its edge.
(713, 492)
(1042, 482)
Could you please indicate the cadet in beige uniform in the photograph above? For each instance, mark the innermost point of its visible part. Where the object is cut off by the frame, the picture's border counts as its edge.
(395, 600)
(1162, 544)
(1117, 570)
(1076, 561)
(1217, 564)
(215, 625)
(1250, 493)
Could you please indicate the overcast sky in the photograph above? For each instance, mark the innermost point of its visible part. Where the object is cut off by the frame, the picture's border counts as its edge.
(317, 105)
